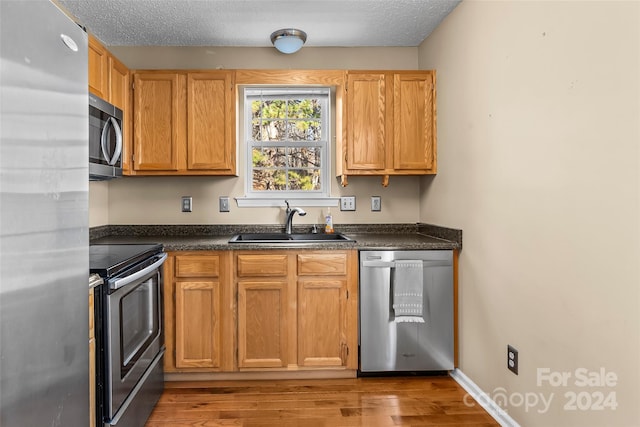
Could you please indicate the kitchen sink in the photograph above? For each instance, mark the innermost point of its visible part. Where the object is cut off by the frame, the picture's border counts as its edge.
(293, 238)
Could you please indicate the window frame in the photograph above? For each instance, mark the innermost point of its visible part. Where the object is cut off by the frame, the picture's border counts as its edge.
(320, 197)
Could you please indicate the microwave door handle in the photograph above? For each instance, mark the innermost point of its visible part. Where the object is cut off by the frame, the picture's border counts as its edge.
(118, 149)
(111, 160)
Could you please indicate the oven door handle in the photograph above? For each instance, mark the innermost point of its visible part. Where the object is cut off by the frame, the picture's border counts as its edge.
(119, 283)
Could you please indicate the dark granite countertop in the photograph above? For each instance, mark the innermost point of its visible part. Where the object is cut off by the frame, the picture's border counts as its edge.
(214, 237)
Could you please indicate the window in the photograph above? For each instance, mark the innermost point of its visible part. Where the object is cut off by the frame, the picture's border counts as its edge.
(287, 133)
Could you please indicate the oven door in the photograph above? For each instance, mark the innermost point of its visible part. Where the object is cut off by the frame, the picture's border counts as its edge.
(133, 331)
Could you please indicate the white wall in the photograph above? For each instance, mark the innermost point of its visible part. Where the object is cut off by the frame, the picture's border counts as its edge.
(538, 159)
(156, 200)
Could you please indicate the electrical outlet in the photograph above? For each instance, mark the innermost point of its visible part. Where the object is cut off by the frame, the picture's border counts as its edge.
(376, 204)
(187, 203)
(224, 204)
(348, 203)
(512, 359)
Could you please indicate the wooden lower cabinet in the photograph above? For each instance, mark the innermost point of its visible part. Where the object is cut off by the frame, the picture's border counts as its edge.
(198, 332)
(297, 309)
(198, 312)
(260, 311)
(262, 324)
(322, 321)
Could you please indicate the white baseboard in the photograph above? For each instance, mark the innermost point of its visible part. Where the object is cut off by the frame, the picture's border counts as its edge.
(483, 399)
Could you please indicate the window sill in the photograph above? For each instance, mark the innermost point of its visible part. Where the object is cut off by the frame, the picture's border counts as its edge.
(257, 202)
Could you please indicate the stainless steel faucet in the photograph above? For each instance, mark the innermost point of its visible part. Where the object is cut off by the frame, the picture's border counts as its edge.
(288, 227)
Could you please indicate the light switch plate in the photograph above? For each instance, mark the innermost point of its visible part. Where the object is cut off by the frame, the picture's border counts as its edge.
(224, 203)
(348, 203)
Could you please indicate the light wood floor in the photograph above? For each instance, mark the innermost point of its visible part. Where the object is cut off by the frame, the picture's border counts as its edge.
(367, 402)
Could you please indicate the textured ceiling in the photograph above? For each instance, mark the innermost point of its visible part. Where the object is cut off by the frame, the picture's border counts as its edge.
(251, 22)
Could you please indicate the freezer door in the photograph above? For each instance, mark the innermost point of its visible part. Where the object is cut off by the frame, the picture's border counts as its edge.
(387, 345)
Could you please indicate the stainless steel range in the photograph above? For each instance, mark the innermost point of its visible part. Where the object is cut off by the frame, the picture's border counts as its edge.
(129, 332)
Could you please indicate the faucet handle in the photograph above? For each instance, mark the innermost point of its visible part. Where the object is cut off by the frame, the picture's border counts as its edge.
(288, 208)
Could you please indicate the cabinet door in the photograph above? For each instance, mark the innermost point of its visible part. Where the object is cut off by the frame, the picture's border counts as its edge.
(98, 69)
(198, 331)
(118, 83)
(366, 122)
(158, 98)
(210, 122)
(322, 320)
(120, 96)
(262, 324)
(414, 121)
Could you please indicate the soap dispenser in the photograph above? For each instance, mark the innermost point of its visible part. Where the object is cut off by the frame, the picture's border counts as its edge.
(328, 226)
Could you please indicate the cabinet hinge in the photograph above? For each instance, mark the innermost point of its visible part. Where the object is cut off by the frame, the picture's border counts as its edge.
(133, 85)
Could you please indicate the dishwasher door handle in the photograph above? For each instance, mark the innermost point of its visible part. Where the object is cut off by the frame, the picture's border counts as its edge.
(392, 264)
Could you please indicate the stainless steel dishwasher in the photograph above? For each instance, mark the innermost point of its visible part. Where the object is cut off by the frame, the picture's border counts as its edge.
(406, 311)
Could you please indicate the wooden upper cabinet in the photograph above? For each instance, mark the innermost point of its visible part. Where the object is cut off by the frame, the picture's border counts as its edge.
(414, 127)
(210, 121)
(184, 123)
(119, 83)
(98, 68)
(366, 122)
(157, 105)
(390, 124)
(120, 96)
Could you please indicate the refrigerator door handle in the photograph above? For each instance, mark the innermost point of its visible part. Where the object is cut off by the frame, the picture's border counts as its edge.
(118, 149)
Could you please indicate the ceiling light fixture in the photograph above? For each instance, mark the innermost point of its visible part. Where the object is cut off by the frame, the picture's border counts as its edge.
(288, 40)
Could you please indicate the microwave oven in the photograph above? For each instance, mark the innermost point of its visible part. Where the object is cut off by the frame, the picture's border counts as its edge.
(105, 140)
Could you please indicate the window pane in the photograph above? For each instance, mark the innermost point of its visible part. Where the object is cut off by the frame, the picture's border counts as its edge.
(255, 130)
(304, 109)
(273, 130)
(256, 109)
(304, 157)
(304, 179)
(268, 157)
(305, 130)
(274, 109)
(269, 180)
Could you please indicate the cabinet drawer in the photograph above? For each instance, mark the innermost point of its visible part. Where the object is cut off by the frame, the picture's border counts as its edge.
(262, 265)
(332, 264)
(197, 266)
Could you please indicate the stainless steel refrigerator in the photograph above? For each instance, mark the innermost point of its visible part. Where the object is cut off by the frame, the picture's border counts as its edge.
(44, 242)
